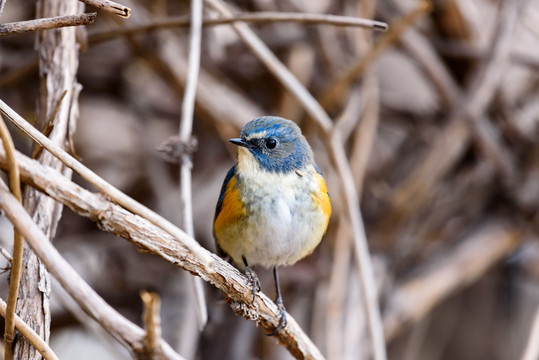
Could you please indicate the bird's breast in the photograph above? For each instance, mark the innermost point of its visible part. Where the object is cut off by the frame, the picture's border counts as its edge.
(284, 220)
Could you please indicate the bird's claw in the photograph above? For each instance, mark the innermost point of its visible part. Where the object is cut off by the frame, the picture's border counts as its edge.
(282, 320)
(252, 278)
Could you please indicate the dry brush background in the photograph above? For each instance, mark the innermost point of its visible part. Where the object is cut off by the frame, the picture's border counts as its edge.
(439, 119)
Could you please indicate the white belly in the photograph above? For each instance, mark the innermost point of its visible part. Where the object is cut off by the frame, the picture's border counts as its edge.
(283, 224)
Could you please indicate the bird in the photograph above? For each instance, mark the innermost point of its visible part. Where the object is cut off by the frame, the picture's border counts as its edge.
(274, 205)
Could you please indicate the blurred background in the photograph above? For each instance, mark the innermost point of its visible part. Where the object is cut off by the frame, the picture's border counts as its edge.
(440, 118)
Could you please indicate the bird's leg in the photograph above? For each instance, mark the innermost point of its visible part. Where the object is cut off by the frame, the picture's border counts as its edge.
(280, 305)
(252, 278)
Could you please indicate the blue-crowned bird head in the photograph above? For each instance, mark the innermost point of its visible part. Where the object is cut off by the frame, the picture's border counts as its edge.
(275, 143)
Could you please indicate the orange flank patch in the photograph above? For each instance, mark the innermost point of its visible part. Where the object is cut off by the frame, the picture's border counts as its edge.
(232, 208)
(322, 198)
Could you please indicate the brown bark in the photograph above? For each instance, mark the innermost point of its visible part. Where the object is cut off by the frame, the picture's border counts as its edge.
(58, 63)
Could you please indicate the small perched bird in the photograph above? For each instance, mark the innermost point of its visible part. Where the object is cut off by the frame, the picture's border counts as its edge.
(274, 205)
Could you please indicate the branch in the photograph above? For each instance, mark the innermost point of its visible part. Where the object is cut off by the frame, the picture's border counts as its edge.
(186, 127)
(257, 17)
(110, 6)
(18, 243)
(56, 22)
(30, 335)
(149, 238)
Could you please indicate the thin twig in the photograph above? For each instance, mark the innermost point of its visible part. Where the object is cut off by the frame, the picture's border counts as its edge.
(531, 352)
(115, 194)
(110, 6)
(18, 243)
(6, 254)
(186, 127)
(258, 17)
(152, 239)
(337, 153)
(21, 27)
(30, 335)
(49, 125)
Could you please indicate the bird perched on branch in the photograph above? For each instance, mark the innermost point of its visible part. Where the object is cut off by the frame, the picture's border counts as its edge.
(274, 205)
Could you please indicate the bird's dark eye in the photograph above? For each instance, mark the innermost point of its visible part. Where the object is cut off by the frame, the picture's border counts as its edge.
(271, 143)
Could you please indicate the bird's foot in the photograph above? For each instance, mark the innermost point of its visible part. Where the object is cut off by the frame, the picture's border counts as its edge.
(282, 319)
(252, 278)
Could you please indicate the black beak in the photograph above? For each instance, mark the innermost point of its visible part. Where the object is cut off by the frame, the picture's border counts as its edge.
(240, 142)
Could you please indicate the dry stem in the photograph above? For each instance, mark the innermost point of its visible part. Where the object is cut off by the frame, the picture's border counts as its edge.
(258, 17)
(186, 126)
(18, 242)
